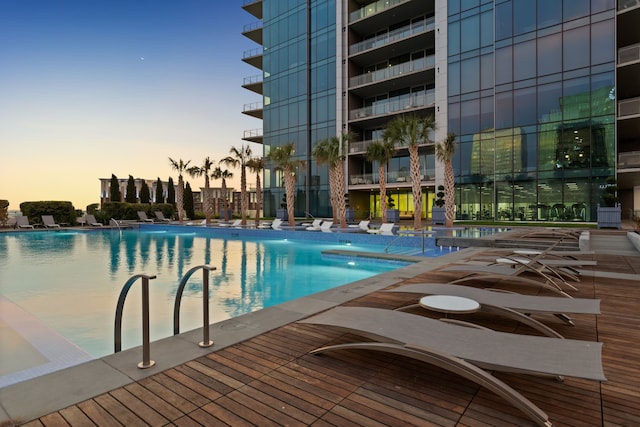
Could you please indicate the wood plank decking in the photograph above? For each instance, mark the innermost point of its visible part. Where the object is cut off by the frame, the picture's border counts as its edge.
(273, 380)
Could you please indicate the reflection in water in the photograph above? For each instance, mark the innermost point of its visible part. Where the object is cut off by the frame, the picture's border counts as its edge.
(72, 282)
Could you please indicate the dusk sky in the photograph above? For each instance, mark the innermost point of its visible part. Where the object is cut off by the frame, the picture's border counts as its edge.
(90, 88)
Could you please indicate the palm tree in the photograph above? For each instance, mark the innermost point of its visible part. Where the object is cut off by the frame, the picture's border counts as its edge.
(381, 151)
(239, 158)
(205, 170)
(411, 130)
(181, 167)
(256, 165)
(282, 157)
(223, 174)
(444, 154)
(331, 152)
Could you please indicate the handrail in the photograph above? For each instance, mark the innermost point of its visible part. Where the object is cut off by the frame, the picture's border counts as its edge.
(117, 337)
(114, 221)
(206, 342)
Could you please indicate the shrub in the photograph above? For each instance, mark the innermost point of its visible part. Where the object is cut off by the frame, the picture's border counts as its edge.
(62, 212)
(4, 212)
(440, 196)
(610, 194)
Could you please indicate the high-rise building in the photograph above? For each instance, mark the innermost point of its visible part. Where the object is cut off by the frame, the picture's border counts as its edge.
(542, 95)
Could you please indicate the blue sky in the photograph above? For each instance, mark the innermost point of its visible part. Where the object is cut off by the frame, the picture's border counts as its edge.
(89, 88)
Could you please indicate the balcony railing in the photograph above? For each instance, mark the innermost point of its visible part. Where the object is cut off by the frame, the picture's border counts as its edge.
(252, 80)
(393, 36)
(629, 107)
(395, 105)
(252, 133)
(252, 26)
(252, 52)
(397, 177)
(373, 8)
(629, 54)
(253, 106)
(626, 4)
(629, 159)
(393, 71)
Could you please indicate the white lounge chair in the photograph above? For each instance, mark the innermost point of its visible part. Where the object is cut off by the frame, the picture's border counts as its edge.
(91, 220)
(236, 223)
(362, 225)
(326, 226)
(23, 222)
(49, 222)
(143, 217)
(466, 351)
(385, 229)
(315, 225)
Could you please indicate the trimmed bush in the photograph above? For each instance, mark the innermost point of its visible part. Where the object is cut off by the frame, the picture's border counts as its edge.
(62, 212)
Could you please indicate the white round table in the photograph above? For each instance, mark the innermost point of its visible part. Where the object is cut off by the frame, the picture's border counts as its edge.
(449, 304)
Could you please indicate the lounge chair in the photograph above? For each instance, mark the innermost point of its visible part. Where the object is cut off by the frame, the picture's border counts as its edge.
(324, 226)
(503, 274)
(361, 226)
(23, 222)
(236, 223)
(160, 217)
(385, 229)
(510, 304)
(466, 351)
(277, 224)
(315, 225)
(49, 222)
(91, 220)
(143, 217)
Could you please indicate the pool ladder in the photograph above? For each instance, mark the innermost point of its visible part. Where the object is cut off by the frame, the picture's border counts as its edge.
(146, 341)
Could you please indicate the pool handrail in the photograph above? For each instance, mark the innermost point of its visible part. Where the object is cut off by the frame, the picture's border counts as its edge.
(206, 269)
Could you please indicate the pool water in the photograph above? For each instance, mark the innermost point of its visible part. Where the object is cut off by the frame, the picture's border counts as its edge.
(70, 281)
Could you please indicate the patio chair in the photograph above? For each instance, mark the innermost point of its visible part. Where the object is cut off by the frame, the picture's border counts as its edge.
(23, 222)
(160, 217)
(49, 222)
(91, 220)
(143, 217)
(236, 223)
(324, 226)
(361, 226)
(509, 304)
(466, 351)
(315, 225)
(385, 229)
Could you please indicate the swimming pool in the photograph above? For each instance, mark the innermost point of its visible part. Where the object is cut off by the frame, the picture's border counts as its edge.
(70, 280)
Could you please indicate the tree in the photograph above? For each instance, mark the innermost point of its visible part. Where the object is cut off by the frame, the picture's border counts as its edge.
(4, 211)
(114, 190)
(381, 151)
(239, 158)
(283, 159)
(131, 196)
(159, 192)
(331, 152)
(205, 170)
(411, 130)
(145, 195)
(181, 167)
(171, 192)
(188, 202)
(444, 154)
(223, 174)
(256, 165)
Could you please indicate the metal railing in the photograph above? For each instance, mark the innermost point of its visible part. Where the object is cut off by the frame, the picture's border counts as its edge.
(393, 71)
(206, 269)
(117, 336)
(395, 105)
(373, 8)
(629, 54)
(393, 36)
(629, 107)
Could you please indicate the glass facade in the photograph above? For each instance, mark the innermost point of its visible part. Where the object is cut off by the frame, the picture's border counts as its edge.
(299, 66)
(531, 98)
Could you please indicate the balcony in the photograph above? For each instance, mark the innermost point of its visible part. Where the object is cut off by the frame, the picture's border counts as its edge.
(395, 105)
(254, 109)
(629, 54)
(360, 147)
(629, 159)
(253, 135)
(629, 107)
(253, 57)
(408, 74)
(253, 31)
(253, 83)
(382, 13)
(627, 4)
(254, 7)
(395, 178)
(393, 36)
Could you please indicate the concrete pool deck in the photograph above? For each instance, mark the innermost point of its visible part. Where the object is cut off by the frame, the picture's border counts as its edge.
(34, 398)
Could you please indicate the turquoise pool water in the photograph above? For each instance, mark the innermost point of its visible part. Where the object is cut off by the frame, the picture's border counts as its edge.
(70, 281)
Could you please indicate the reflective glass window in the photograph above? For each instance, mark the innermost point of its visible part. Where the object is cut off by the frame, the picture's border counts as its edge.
(529, 149)
(524, 60)
(504, 61)
(486, 71)
(470, 34)
(524, 106)
(453, 36)
(504, 110)
(453, 77)
(454, 118)
(470, 116)
(602, 5)
(603, 94)
(576, 98)
(549, 97)
(504, 21)
(524, 17)
(550, 54)
(468, 4)
(575, 48)
(549, 13)
(486, 113)
(486, 28)
(573, 9)
(470, 75)
(603, 42)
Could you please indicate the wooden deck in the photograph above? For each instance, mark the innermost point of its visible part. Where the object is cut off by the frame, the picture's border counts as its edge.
(272, 380)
